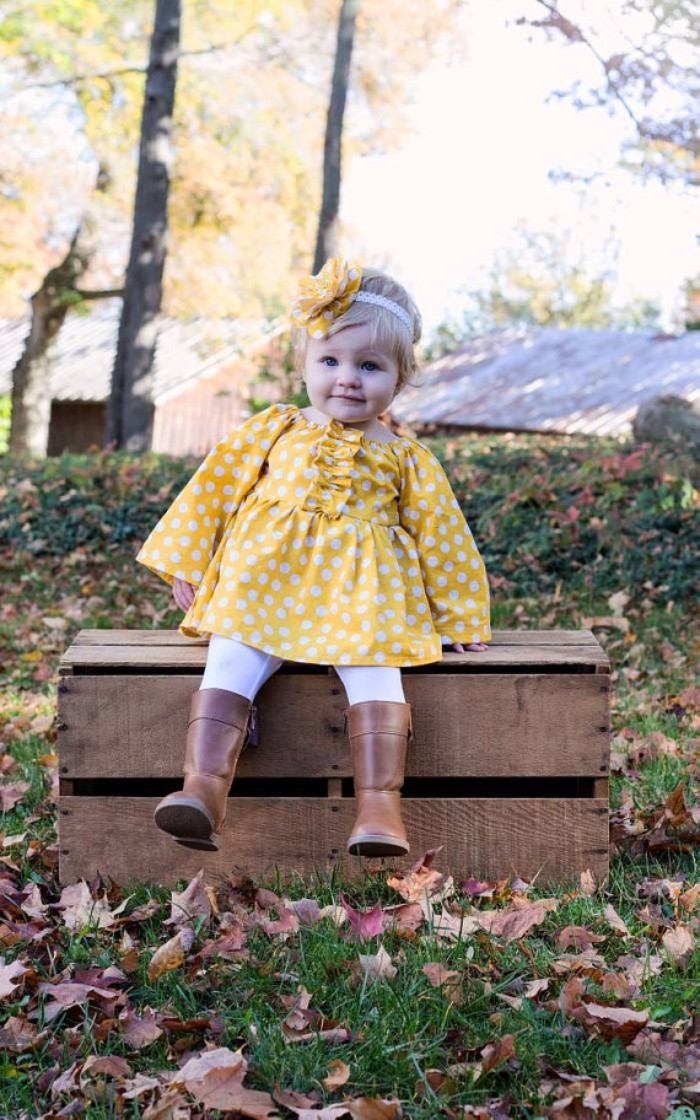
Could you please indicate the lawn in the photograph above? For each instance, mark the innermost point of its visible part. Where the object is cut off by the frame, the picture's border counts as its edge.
(404, 993)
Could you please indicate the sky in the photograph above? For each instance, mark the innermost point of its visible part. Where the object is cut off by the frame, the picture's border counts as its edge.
(483, 141)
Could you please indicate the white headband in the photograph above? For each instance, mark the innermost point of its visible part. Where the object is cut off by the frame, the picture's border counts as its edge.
(370, 297)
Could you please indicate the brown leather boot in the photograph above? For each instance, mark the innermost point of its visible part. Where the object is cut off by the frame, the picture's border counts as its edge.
(379, 732)
(217, 732)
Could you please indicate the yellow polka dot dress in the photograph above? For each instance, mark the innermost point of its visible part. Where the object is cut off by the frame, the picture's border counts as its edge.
(317, 544)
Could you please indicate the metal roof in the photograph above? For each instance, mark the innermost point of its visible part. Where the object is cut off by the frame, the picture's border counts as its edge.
(549, 380)
(83, 356)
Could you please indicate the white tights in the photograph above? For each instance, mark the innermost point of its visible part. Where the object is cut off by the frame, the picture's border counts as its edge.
(243, 669)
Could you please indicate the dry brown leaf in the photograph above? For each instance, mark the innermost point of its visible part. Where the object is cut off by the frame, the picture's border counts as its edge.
(80, 909)
(406, 917)
(194, 902)
(495, 1053)
(372, 1108)
(452, 927)
(299, 1017)
(338, 1075)
(336, 914)
(11, 794)
(616, 1022)
(534, 987)
(449, 979)
(19, 1035)
(679, 943)
(618, 601)
(8, 973)
(139, 1031)
(690, 899)
(215, 1080)
(615, 920)
(377, 966)
(171, 1106)
(587, 880)
(421, 880)
(140, 1084)
(67, 993)
(307, 910)
(171, 955)
(512, 924)
(578, 936)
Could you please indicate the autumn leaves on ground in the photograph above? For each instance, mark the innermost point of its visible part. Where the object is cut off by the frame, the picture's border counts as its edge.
(406, 993)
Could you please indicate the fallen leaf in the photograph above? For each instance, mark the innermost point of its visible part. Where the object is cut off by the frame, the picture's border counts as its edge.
(512, 924)
(8, 973)
(340, 1072)
(378, 966)
(495, 1053)
(616, 1022)
(80, 909)
(192, 903)
(615, 920)
(587, 880)
(171, 955)
(679, 943)
(363, 924)
(441, 977)
(139, 1031)
(215, 1080)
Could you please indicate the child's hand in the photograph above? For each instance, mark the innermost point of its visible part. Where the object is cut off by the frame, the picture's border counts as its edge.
(475, 647)
(183, 593)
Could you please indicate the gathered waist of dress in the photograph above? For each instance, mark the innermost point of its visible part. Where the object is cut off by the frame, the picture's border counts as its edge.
(313, 504)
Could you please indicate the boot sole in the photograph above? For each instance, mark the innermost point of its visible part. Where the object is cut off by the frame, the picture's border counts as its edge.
(187, 823)
(377, 845)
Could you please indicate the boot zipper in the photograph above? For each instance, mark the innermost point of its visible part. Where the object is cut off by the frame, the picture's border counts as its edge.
(253, 737)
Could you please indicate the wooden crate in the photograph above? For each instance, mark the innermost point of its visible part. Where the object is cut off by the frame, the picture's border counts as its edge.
(508, 769)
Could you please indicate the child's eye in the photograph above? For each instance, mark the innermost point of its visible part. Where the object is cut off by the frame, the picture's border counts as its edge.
(328, 358)
(372, 364)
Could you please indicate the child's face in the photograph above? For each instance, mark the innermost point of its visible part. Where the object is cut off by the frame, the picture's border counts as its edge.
(347, 379)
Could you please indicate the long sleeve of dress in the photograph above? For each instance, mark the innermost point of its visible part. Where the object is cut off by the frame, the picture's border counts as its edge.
(188, 534)
(453, 570)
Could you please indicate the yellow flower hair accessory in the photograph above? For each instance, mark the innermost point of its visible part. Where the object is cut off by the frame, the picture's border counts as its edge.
(322, 298)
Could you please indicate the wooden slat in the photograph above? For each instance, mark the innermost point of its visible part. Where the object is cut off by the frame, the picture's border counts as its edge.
(487, 838)
(528, 653)
(175, 638)
(486, 725)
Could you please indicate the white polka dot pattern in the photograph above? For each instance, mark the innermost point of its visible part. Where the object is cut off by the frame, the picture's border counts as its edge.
(320, 545)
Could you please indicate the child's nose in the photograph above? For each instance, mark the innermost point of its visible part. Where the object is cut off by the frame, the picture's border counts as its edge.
(349, 374)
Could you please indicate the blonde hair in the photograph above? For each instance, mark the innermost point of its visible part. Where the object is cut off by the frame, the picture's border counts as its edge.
(388, 332)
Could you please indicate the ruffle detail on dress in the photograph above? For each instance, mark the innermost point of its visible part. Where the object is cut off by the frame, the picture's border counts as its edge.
(332, 464)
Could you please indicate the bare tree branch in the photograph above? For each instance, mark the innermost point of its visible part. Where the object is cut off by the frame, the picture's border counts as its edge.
(106, 74)
(574, 33)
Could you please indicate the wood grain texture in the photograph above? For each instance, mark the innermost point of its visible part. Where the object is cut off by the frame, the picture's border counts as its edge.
(489, 725)
(112, 649)
(487, 838)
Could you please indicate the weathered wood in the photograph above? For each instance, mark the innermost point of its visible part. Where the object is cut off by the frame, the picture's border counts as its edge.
(483, 725)
(487, 837)
(138, 649)
(528, 720)
(175, 638)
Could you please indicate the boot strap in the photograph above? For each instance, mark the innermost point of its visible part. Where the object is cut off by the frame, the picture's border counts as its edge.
(410, 723)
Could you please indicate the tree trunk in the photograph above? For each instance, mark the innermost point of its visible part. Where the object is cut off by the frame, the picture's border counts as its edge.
(31, 388)
(327, 238)
(131, 408)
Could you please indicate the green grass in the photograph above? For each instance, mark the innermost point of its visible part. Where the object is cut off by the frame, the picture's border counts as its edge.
(67, 544)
